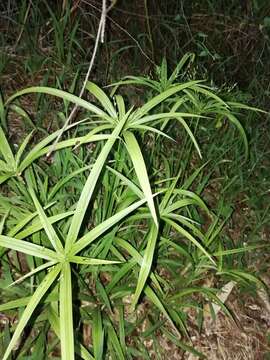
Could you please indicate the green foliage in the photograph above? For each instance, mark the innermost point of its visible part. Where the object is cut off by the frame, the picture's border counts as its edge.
(115, 206)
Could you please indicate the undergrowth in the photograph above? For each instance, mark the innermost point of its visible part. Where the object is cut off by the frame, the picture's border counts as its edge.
(115, 221)
(128, 233)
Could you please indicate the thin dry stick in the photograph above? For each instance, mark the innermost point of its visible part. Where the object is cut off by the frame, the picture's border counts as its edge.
(122, 29)
(23, 24)
(99, 37)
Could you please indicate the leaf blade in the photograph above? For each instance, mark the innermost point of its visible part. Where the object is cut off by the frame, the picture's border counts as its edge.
(66, 317)
(33, 302)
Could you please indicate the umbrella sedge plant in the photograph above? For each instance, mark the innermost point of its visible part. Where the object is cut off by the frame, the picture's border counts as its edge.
(67, 236)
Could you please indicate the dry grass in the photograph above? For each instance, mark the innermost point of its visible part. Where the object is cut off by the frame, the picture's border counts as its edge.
(224, 340)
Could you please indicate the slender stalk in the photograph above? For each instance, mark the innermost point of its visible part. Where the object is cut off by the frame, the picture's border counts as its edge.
(99, 37)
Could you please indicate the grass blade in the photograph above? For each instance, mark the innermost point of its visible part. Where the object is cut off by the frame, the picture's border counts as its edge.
(191, 238)
(98, 335)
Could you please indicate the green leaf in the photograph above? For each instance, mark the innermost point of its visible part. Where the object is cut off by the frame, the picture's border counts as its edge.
(20, 111)
(127, 182)
(115, 341)
(161, 116)
(241, 130)
(5, 149)
(58, 93)
(36, 226)
(149, 292)
(89, 261)
(34, 271)
(66, 179)
(98, 334)
(141, 172)
(188, 57)
(187, 235)
(28, 248)
(102, 98)
(103, 227)
(163, 96)
(208, 293)
(54, 239)
(183, 346)
(38, 150)
(3, 178)
(33, 302)
(66, 317)
(120, 274)
(190, 134)
(2, 222)
(22, 148)
(146, 263)
(14, 304)
(120, 105)
(22, 223)
(90, 186)
(55, 324)
(6, 168)
(138, 258)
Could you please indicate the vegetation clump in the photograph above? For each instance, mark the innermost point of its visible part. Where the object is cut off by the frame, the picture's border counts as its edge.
(115, 229)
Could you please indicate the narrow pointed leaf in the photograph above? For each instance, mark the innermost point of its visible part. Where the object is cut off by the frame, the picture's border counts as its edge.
(55, 324)
(103, 227)
(138, 258)
(163, 96)
(149, 292)
(191, 238)
(22, 148)
(22, 302)
(89, 261)
(5, 149)
(21, 224)
(101, 97)
(2, 222)
(66, 317)
(37, 226)
(33, 272)
(146, 263)
(127, 182)
(188, 57)
(54, 239)
(115, 341)
(98, 335)
(166, 116)
(28, 248)
(33, 302)
(58, 93)
(90, 186)
(190, 134)
(141, 172)
(37, 149)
